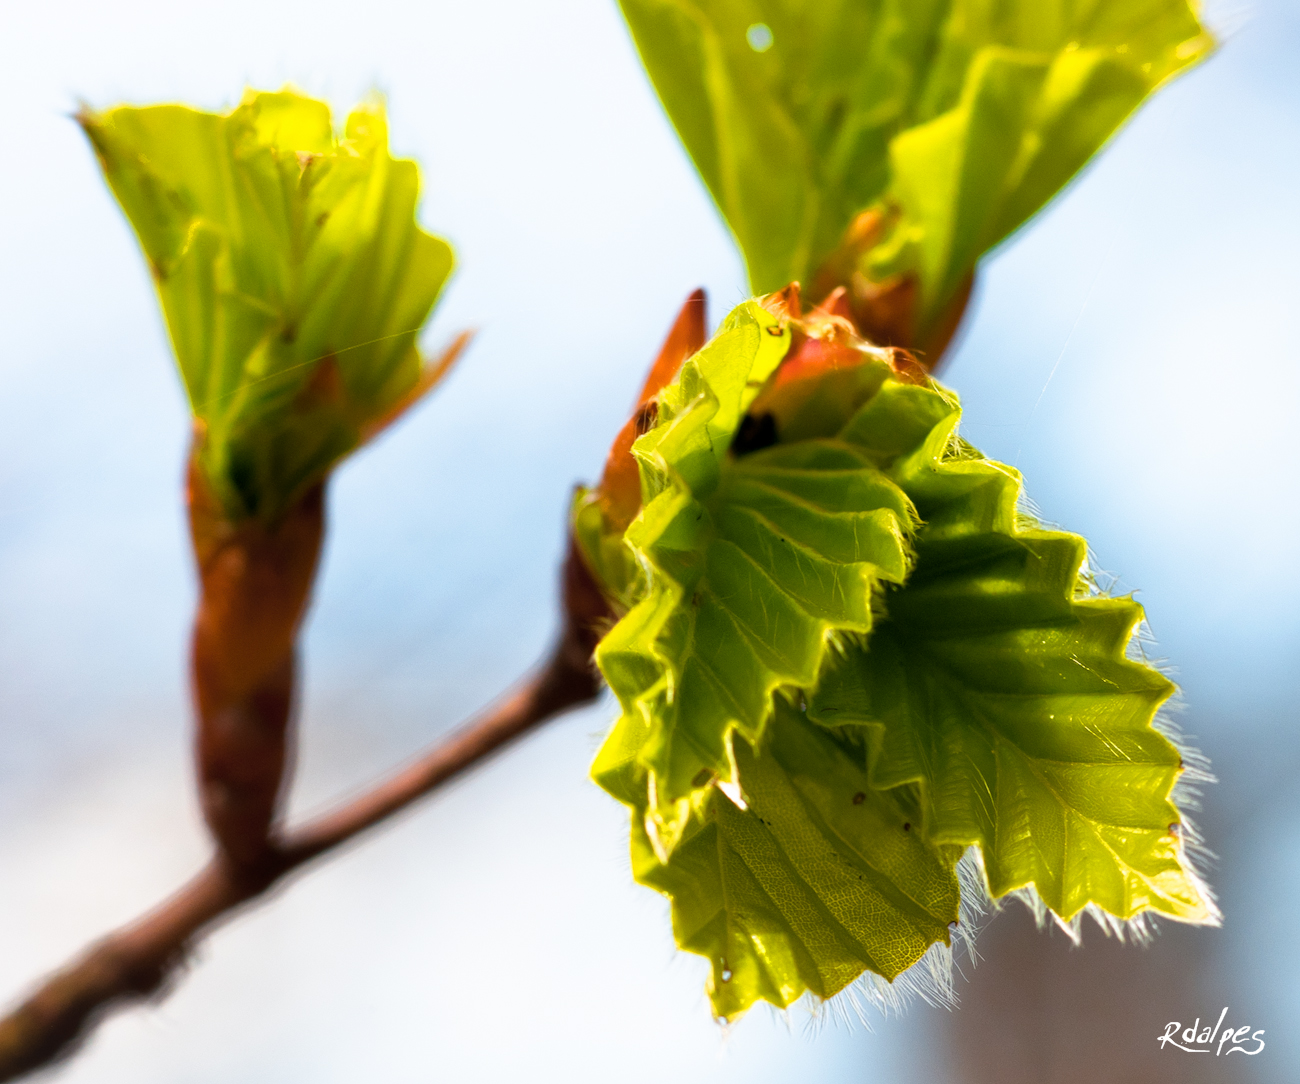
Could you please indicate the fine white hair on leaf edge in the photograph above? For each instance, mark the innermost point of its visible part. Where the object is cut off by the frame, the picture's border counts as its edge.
(929, 980)
(1194, 856)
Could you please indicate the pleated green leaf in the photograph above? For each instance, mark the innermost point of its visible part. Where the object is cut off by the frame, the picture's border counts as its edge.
(999, 685)
(960, 118)
(755, 563)
(849, 626)
(816, 880)
(292, 274)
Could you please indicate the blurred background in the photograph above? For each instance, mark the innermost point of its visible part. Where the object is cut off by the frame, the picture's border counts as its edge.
(1136, 352)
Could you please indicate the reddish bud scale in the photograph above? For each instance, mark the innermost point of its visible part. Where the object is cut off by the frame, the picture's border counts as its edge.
(885, 313)
(620, 484)
(255, 584)
(828, 337)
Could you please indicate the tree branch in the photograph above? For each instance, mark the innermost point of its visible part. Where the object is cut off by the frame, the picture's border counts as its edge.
(255, 583)
(140, 959)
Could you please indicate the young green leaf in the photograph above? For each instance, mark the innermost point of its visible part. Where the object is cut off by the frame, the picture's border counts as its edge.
(292, 274)
(826, 540)
(755, 561)
(955, 119)
(999, 685)
(817, 879)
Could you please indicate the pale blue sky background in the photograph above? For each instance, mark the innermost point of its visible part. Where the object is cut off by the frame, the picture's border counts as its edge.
(1136, 354)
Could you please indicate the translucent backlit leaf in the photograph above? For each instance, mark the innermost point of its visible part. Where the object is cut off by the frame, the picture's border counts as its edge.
(957, 119)
(752, 561)
(834, 613)
(292, 274)
(817, 879)
(999, 685)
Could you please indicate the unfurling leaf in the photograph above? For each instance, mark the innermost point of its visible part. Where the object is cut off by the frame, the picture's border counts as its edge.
(951, 121)
(833, 612)
(759, 558)
(1000, 686)
(819, 878)
(292, 274)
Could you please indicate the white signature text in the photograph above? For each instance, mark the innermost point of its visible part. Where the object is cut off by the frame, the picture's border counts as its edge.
(1202, 1040)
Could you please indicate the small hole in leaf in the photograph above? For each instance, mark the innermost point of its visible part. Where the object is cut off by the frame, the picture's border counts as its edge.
(726, 975)
(859, 798)
(759, 36)
(1173, 829)
(953, 924)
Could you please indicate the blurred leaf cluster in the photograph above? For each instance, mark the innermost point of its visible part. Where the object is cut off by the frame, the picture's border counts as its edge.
(950, 122)
(292, 274)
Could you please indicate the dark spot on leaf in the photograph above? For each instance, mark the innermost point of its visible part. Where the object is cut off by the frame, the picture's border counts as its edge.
(695, 599)
(701, 777)
(835, 114)
(906, 826)
(646, 418)
(320, 218)
(859, 798)
(288, 334)
(754, 434)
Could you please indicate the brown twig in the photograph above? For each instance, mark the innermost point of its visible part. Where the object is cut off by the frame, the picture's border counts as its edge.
(255, 583)
(138, 960)
(255, 580)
